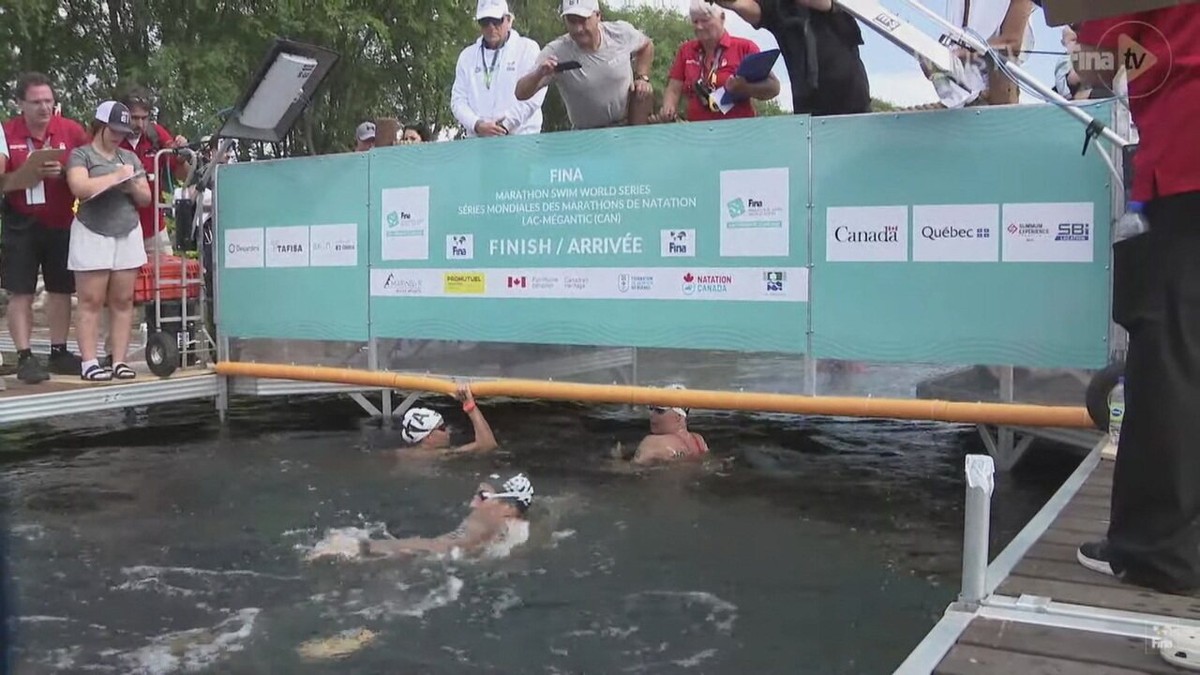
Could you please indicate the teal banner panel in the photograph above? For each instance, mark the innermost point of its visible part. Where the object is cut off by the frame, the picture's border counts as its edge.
(960, 237)
(292, 248)
(687, 235)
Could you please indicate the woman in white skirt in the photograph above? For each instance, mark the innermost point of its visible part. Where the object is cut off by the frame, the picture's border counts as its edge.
(106, 238)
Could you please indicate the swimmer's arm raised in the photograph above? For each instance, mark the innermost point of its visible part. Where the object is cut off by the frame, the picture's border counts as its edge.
(484, 441)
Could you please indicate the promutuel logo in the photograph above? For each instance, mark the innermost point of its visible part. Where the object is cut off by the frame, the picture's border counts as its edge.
(887, 234)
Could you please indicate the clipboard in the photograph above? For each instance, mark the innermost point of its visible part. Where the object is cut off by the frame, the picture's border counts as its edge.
(137, 174)
(26, 176)
(753, 68)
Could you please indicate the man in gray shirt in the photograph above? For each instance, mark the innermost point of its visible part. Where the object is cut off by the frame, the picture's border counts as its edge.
(611, 85)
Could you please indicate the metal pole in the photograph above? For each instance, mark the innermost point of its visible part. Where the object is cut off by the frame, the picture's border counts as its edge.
(977, 516)
(1016, 71)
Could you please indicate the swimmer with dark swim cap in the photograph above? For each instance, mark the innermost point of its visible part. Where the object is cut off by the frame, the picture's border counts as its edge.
(493, 515)
(669, 439)
(427, 434)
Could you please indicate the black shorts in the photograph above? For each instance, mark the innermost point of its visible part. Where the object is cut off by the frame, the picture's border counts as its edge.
(26, 251)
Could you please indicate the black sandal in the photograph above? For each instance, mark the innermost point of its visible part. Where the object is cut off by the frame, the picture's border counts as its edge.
(96, 373)
(122, 371)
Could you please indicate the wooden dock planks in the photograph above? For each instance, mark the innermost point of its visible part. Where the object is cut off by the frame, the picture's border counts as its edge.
(989, 646)
(1050, 570)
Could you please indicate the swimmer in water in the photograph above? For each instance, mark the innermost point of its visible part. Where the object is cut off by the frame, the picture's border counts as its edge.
(493, 516)
(669, 439)
(428, 436)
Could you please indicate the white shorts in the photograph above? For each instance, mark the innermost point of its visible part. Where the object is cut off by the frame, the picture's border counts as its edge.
(91, 252)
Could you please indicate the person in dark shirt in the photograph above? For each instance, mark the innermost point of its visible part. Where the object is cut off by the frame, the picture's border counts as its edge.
(819, 43)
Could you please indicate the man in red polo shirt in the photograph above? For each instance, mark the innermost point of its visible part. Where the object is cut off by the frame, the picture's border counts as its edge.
(707, 63)
(148, 138)
(36, 231)
(1154, 527)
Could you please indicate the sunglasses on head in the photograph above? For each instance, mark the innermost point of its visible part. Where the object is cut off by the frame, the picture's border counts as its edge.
(488, 21)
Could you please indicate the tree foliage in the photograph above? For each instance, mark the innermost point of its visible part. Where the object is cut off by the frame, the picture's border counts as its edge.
(396, 59)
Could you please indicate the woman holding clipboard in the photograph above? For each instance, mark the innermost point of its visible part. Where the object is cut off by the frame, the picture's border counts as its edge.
(106, 238)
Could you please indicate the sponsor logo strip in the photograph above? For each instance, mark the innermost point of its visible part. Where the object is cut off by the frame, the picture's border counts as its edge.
(741, 284)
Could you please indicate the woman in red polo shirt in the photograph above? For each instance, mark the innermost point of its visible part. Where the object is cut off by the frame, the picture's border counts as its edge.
(708, 63)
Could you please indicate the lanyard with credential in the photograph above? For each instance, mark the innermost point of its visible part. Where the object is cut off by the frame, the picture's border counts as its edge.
(487, 72)
(716, 64)
(36, 195)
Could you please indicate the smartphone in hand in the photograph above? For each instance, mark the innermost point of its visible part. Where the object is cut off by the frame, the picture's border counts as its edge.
(567, 65)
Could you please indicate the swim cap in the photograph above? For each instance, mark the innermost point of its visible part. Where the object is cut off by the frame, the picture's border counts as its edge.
(519, 488)
(419, 423)
(683, 412)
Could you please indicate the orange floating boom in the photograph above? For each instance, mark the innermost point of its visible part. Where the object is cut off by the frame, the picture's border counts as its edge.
(998, 414)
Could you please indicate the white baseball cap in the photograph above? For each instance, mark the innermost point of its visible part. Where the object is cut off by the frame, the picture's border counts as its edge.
(584, 8)
(365, 131)
(491, 9)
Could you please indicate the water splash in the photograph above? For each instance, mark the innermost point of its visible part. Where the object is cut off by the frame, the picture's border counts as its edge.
(193, 649)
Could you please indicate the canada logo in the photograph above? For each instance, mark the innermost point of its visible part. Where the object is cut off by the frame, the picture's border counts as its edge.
(689, 283)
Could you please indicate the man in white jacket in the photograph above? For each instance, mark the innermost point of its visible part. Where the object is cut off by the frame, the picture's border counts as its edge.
(484, 99)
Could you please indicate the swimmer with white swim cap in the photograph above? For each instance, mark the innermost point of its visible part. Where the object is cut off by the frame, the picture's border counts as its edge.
(492, 513)
(427, 434)
(669, 439)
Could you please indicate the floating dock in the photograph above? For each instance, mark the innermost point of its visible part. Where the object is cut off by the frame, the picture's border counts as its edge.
(1041, 611)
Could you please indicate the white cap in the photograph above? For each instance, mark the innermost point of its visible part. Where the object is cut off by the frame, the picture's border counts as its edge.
(683, 412)
(584, 8)
(519, 488)
(491, 9)
(419, 423)
(365, 131)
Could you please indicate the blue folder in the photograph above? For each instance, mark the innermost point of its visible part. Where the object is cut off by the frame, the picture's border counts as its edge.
(754, 68)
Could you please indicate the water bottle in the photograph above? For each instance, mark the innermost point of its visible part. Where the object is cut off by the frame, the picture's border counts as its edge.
(1116, 412)
(1132, 222)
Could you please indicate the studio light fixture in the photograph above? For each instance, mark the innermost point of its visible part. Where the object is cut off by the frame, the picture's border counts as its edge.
(282, 86)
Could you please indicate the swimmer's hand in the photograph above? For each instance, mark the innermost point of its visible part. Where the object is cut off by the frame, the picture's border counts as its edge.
(464, 393)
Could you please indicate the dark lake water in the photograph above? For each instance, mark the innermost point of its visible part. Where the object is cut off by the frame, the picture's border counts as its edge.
(166, 543)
